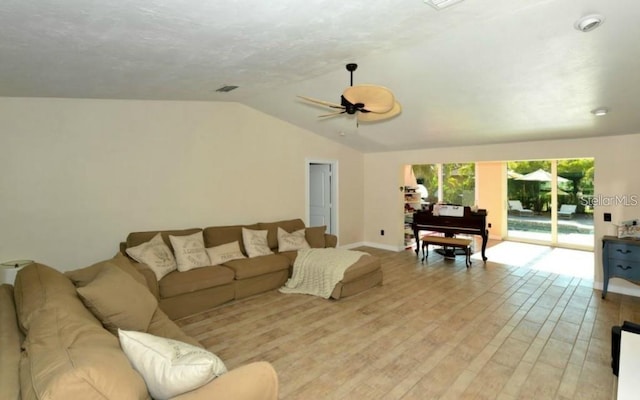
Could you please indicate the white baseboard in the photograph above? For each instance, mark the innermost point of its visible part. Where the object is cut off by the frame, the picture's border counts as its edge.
(615, 288)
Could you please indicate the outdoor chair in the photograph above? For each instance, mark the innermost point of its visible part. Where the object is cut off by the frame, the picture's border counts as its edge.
(515, 206)
(567, 211)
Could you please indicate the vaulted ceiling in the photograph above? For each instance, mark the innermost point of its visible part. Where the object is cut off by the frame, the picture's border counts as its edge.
(480, 71)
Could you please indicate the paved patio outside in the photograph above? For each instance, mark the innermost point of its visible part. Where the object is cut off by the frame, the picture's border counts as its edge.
(575, 231)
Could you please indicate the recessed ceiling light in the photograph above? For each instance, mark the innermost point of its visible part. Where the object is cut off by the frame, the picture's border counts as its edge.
(440, 4)
(589, 22)
(599, 112)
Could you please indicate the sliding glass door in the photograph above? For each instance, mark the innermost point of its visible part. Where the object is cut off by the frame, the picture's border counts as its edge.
(548, 202)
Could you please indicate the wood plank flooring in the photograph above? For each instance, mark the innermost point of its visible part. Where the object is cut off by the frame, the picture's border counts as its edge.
(432, 331)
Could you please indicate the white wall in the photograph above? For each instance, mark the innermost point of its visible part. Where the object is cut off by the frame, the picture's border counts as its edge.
(616, 164)
(78, 175)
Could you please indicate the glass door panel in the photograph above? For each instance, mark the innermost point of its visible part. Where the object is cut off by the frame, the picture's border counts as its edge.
(529, 200)
(575, 205)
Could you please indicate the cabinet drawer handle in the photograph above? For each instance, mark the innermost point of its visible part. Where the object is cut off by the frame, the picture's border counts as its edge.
(628, 267)
(625, 251)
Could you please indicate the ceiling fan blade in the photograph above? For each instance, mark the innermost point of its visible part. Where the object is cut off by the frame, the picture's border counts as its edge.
(377, 99)
(372, 116)
(333, 114)
(322, 102)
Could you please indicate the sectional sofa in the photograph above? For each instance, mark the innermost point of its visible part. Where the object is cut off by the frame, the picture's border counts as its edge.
(60, 332)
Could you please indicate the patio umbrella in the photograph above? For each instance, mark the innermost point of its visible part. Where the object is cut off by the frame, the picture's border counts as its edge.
(513, 174)
(540, 175)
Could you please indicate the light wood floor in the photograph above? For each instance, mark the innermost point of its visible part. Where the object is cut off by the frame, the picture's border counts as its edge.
(432, 331)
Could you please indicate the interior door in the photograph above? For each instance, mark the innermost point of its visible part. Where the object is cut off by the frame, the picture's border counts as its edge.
(320, 195)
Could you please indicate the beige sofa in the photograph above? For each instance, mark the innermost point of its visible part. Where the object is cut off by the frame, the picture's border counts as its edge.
(54, 347)
(184, 293)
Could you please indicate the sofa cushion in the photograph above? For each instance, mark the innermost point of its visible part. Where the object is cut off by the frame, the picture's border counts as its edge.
(290, 225)
(315, 236)
(81, 277)
(118, 301)
(189, 251)
(169, 367)
(255, 242)
(217, 235)
(291, 241)
(137, 238)
(225, 252)
(37, 286)
(156, 254)
(250, 267)
(233, 385)
(66, 357)
(363, 266)
(177, 283)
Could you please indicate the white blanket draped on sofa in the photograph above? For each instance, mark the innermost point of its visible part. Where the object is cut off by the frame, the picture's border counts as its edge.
(317, 271)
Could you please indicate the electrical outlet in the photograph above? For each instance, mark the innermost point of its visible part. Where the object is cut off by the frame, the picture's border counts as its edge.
(489, 225)
(381, 232)
(607, 217)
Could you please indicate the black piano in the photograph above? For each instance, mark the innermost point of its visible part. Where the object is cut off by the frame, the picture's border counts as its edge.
(471, 223)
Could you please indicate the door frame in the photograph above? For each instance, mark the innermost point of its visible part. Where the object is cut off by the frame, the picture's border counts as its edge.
(333, 228)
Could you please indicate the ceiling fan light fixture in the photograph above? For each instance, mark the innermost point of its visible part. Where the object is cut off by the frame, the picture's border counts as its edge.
(600, 111)
(441, 4)
(226, 88)
(589, 23)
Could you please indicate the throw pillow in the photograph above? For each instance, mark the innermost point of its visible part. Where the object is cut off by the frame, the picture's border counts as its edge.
(255, 242)
(169, 367)
(190, 252)
(224, 252)
(156, 254)
(81, 277)
(291, 241)
(118, 301)
(315, 236)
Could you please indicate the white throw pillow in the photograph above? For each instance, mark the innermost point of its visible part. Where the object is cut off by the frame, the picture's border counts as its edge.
(255, 242)
(291, 241)
(156, 254)
(224, 252)
(190, 252)
(169, 367)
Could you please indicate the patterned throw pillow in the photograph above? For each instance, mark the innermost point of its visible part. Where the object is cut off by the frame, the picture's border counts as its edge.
(156, 254)
(169, 367)
(224, 252)
(255, 242)
(291, 241)
(189, 251)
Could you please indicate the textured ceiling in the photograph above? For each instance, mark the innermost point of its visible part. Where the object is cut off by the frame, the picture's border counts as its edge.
(479, 72)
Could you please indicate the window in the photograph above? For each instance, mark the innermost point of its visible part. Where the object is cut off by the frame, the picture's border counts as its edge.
(452, 183)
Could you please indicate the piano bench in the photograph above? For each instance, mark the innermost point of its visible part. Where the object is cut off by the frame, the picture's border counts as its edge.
(443, 241)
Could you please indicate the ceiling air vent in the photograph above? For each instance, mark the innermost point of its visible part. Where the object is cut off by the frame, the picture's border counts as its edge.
(440, 4)
(226, 88)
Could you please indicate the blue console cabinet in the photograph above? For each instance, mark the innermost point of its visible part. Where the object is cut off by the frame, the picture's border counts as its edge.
(620, 259)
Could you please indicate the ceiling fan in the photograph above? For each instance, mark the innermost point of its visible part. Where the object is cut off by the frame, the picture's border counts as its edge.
(368, 102)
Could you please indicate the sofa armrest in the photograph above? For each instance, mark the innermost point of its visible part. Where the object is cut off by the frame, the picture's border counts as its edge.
(330, 240)
(255, 381)
(10, 340)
